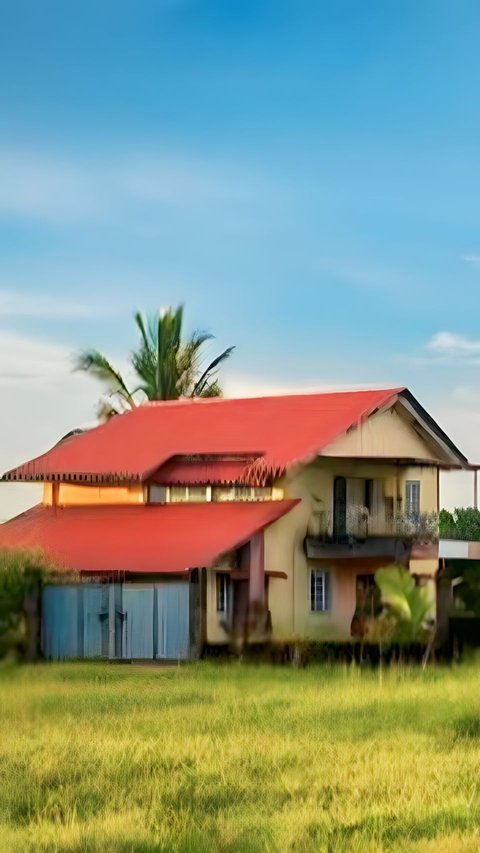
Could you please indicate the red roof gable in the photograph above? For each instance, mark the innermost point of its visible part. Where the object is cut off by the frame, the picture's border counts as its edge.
(281, 430)
(140, 539)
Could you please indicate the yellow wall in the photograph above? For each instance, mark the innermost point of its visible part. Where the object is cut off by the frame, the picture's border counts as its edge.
(284, 547)
(284, 551)
(81, 495)
(387, 433)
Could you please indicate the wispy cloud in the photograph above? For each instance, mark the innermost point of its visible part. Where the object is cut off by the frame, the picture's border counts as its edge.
(25, 359)
(453, 346)
(68, 189)
(24, 304)
(471, 259)
(46, 188)
(445, 348)
(238, 385)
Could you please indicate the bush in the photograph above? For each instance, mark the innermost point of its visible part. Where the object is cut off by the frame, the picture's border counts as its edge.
(463, 524)
(22, 577)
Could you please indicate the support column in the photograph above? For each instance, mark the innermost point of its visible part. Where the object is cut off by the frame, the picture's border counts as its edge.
(256, 591)
(257, 610)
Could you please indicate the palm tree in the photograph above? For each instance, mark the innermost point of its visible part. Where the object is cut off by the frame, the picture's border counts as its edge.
(167, 368)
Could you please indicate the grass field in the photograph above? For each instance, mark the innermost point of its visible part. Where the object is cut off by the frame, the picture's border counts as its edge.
(235, 757)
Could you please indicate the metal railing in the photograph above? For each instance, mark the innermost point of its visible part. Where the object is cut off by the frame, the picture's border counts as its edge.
(360, 523)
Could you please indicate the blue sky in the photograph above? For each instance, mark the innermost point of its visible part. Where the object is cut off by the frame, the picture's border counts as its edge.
(303, 175)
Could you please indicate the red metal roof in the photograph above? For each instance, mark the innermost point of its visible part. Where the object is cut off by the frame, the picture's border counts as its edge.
(183, 470)
(140, 539)
(281, 430)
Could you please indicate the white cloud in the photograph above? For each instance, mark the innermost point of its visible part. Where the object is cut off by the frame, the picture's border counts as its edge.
(471, 259)
(453, 346)
(24, 359)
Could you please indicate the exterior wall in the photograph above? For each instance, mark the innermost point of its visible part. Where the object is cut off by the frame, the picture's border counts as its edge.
(386, 433)
(284, 547)
(457, 549)
(70, 494)
(288, 599)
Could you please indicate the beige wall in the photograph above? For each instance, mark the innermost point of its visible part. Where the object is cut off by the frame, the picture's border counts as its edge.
(387, 433)
(284, 547)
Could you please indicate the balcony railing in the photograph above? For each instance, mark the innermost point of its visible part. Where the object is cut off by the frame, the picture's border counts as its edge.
(361, 524)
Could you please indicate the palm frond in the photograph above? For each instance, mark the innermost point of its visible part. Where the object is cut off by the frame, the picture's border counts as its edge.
(92, 361)
(200, 385)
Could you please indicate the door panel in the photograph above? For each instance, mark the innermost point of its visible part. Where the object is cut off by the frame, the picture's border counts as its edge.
(95, 620)
(138, 621)
(62, 622)
(173, 640)
(339, 508)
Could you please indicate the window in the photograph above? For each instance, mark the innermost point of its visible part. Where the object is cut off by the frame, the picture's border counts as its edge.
(241, 493)
(223, 590)
(412, 499)
(223, 493)
(158, 494)
(188, 494)
(319, 590)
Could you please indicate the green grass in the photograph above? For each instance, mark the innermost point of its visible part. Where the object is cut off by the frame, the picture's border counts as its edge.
(234, 757)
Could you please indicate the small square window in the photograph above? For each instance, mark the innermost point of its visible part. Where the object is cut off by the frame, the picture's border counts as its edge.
(178, 494)
(319, 591)
(223, 493)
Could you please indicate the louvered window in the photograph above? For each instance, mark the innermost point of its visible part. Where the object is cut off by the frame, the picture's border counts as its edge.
(319, 590)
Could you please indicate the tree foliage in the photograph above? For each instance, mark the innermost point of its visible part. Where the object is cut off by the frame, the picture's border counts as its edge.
(165, 365)
(22, 577)
(463, 523)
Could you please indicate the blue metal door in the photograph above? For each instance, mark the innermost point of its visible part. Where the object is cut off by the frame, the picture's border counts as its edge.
(138, 603)
(95, 620)
(62, 622)
(172, 606)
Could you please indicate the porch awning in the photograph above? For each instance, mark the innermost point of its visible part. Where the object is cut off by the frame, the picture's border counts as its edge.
(140, 539)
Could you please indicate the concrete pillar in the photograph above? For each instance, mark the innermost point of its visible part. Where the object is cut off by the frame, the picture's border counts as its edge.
(257, 570)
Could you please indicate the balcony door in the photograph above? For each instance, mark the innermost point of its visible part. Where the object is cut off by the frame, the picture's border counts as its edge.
(339, 509)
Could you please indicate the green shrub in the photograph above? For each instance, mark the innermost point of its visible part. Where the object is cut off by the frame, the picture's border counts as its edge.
(463, 523)
(22, 577)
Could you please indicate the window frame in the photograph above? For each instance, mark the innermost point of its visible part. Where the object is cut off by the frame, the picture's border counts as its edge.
(412, 514)
(325, 598)
(222, 591)
(186, 489)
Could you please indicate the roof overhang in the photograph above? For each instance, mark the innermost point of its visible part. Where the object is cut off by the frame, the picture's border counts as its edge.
(140, 539)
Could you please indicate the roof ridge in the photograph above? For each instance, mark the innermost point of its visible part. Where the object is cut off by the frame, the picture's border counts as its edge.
(203, 401)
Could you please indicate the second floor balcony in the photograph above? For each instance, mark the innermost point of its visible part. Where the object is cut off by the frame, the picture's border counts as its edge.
(360, 532)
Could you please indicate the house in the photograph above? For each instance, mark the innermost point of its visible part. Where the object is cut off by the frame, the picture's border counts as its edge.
(198, 522)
